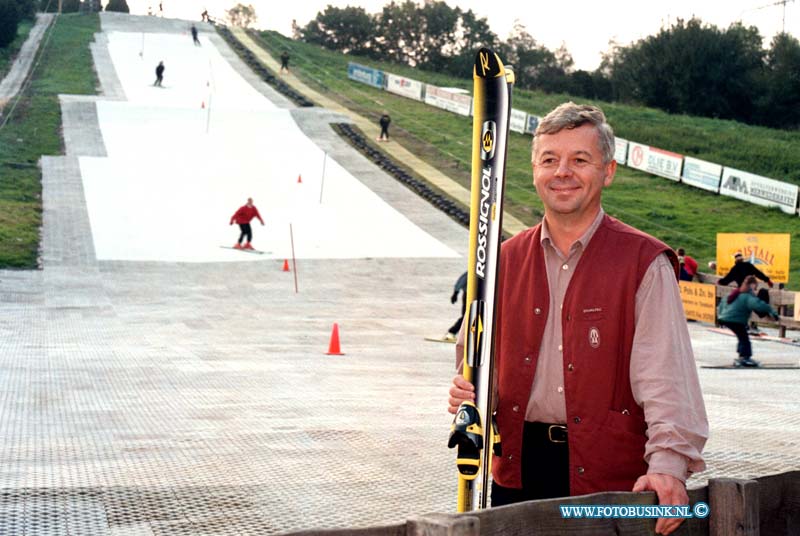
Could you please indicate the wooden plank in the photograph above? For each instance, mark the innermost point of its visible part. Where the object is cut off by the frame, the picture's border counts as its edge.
(443, 525)
(388, 530)
(734, 507)
(543, 517)
(779, 503)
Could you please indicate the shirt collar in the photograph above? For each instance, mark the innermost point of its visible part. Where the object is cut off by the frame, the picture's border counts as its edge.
(583, 241)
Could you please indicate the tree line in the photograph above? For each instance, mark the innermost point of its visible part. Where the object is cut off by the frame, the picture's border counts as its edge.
(688, 68)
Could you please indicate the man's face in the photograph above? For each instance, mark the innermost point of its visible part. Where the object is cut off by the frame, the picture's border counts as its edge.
(568, 171)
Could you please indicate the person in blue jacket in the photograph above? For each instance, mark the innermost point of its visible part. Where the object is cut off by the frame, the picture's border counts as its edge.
(734, 313)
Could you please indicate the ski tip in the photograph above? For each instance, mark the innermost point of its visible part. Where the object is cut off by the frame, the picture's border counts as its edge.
(488, 64)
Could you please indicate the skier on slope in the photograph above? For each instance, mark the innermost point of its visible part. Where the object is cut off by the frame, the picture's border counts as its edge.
(243, 216)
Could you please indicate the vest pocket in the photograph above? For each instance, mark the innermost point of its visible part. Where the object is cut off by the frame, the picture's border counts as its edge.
(627, 422)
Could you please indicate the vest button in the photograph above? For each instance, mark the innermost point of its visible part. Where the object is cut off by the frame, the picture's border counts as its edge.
(580, 470)
(528, 359)
(515, 409)
(510, 456)
(537, 311)
(569, 317)
(576, 420)
(570, 367)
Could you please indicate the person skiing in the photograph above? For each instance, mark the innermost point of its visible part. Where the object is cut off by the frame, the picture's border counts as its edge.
(194, 36)
(459, 287)
(243, 216)
(734, 313)
(159, 74)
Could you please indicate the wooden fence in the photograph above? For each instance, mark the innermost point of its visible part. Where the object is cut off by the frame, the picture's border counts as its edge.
(766, 506)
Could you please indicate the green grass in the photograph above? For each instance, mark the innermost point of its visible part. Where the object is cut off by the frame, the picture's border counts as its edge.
(35, 130)
(680, 215)
(8, 54)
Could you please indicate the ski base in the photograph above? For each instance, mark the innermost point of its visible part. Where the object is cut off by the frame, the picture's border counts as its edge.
(440, 339)
(255, 251)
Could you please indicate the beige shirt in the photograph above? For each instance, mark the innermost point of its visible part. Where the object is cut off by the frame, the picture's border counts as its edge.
(663, 373)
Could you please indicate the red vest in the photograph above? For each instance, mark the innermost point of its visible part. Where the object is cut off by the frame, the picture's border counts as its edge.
(606, 428)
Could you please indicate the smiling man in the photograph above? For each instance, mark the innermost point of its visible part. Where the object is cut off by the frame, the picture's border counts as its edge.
(596, 380)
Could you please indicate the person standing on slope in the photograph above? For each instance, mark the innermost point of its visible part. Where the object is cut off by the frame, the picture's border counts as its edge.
(243, 217)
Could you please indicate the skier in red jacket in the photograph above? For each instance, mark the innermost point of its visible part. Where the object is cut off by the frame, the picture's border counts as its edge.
(243, 216)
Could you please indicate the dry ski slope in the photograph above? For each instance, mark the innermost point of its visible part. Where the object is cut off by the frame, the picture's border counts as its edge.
(154, 383)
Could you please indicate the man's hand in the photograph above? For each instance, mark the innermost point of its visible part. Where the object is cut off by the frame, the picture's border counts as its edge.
(454, 297)
(460, 391)
(670, 491)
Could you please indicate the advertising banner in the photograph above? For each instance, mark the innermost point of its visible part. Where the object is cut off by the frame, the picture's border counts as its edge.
(699, 301)
(620, 150)
(519, 120)
(403, 86)
(533, 122)
(701, 174)
(365, 75)
(656, 161)
(447, 100)
(767, 252)
(759, 190)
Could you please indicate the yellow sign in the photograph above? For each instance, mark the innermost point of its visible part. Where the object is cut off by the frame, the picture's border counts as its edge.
(699, 301)
(767, 252)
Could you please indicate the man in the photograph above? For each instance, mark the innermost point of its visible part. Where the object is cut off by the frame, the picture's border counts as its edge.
(384, 122)
(740, 270)
(597, 385)
(195, 39)
(285, 61)
(243, 216)
(159, 74)
(688, 266)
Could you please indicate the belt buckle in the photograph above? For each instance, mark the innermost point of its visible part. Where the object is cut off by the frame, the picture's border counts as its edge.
(556, 427)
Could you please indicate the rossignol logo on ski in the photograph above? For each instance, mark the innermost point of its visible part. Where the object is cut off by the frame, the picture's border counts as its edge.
(484, 56)
(484, 213)
(488, 134)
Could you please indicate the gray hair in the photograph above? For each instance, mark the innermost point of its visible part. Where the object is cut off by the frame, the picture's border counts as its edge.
(570, 115)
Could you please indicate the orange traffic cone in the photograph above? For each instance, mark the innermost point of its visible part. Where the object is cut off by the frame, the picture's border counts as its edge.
(285, 265)
(333, 348)
(299, 179)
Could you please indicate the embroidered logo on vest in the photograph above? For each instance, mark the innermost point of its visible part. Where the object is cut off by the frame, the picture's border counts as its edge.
(594, 337)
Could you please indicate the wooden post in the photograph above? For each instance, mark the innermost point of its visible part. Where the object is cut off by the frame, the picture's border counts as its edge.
(734, 507)
(443, 525)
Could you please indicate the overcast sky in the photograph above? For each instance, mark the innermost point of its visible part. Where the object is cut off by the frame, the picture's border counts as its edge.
(585, 27)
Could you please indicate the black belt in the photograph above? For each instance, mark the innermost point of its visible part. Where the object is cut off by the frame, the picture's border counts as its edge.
(552, 433)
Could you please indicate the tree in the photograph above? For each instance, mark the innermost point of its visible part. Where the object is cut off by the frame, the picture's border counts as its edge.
(692, 68)
(26, 9)
(9, 22)
(242, 15)
(349, 30)
(535, 65)
(70, 6)
(780, 103)
(120, 6)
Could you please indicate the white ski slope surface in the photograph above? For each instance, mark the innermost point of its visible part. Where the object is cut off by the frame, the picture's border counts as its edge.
(182, 158)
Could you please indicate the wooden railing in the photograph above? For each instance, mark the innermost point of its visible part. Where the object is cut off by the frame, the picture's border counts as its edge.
(766, 506)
